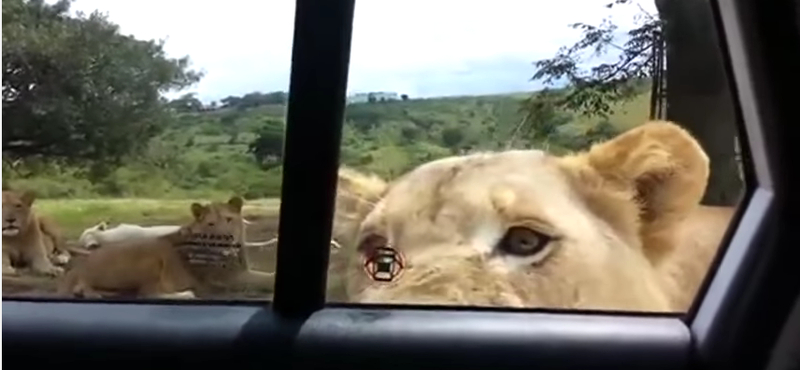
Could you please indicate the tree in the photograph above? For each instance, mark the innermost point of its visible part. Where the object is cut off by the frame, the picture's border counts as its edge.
(255, 99)
(452, 137)
(74, 88)
(404, 97)
(267, 148)
(187, 103)
(276, 97)
(229, 125)
(364, 117)
(593, 91)
(230, 101)
(602, 131)
(698, 95)
(163, 154)
(543, 117)
(410, 133)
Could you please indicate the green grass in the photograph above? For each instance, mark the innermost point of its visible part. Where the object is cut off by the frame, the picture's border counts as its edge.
(75, 215)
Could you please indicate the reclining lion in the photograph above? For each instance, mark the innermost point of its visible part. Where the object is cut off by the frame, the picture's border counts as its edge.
(29, 239)
(161, 267)
(617, 227)
(95, 236)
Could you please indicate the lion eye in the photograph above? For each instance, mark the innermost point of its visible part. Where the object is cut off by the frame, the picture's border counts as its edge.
(372, 242)
(522, 241)
(229, 219)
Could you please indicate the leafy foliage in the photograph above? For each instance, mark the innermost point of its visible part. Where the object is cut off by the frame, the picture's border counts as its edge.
(593, 90)
(74, 88)
(268, 146)
(194, 156)
(254, 99)
(543, 117)
(186, 103)
(452, 137)
(604, 130)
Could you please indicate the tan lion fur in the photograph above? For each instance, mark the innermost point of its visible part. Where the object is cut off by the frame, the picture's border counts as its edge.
(625, 226)
(154, 268)
(29, 238)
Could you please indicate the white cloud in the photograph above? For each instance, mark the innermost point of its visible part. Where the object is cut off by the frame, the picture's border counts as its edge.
(418, 47)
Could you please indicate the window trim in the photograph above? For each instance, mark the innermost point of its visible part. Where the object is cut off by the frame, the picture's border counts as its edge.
(740, 315)
(736, 321)
(344, 336)
(322, 32)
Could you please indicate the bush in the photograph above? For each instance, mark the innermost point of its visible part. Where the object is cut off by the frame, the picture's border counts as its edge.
(55, 187)
(264, 184)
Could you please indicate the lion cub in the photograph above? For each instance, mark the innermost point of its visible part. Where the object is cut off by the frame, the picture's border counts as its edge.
(161, 267)
(30, 239)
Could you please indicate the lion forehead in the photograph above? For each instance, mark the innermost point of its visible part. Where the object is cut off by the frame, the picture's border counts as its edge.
(10, 201)
(477, 182)
(11, 197)
(474, 198)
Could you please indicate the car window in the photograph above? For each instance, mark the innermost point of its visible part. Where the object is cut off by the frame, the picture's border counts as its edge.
(520, 158)
(491, 155)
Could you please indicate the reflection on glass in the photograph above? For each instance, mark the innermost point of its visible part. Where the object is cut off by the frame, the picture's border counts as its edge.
(599, 185)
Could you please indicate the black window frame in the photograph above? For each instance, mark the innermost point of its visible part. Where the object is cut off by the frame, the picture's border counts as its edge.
(734, 323)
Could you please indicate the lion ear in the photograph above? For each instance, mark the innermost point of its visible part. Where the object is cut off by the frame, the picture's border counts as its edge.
(665, 168)
(356, 195)
(28, 197)
(236, 203)
(198, 210)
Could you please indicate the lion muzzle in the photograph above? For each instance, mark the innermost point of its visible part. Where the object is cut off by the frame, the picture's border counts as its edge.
(201, 250)
(10, 229)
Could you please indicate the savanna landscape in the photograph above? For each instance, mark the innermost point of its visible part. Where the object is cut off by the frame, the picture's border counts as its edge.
(204, 158)
(136, 157)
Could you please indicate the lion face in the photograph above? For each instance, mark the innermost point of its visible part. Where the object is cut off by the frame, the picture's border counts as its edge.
(219, 219)
(89, 237)
(16, 211)
(525, 229)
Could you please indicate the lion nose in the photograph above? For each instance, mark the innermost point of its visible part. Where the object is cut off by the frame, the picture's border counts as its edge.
(10, 219)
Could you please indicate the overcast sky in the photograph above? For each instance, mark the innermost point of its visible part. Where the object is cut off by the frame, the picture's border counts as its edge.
(421, 48)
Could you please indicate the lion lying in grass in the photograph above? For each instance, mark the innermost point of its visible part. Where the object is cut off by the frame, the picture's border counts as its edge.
(617, 227)
(161, 267)
(30, 239)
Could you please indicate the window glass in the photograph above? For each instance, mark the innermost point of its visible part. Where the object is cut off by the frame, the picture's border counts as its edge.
(493, 154)
(515, 154)
(123, 121)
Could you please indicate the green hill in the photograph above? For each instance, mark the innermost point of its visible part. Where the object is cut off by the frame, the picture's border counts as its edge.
(204, 154)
